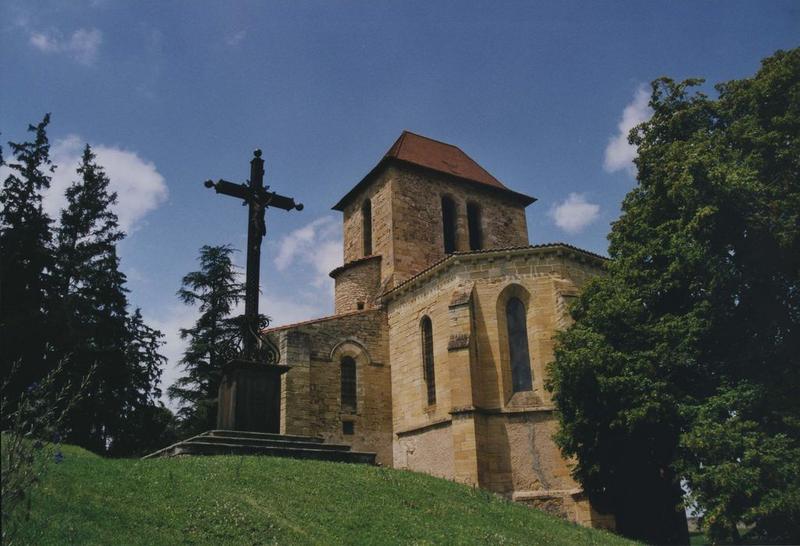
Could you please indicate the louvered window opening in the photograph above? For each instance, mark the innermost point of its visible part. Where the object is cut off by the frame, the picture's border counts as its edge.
(449, 224)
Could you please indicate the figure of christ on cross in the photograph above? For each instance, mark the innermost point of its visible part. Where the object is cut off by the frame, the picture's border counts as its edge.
(249, 394)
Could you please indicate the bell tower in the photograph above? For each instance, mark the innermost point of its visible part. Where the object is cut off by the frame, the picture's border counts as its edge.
(424, 200)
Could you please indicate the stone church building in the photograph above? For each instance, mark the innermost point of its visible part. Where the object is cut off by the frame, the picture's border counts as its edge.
(444, 320)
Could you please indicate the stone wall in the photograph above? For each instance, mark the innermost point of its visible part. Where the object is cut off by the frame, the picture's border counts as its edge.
(407, 229)
(311, 390)
(500, 440)
(417, 213)
(428, 450)
(379, 192)
(357, 285)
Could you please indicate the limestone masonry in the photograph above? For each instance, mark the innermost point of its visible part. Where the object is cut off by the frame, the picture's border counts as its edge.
(448, 315)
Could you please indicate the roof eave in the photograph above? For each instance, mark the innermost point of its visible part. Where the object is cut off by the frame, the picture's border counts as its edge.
(364, 181)
(521, 198)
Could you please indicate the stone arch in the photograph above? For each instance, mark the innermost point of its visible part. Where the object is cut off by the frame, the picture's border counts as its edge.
(351, 347)
(517, 383)
(345, 351)
(428, 364)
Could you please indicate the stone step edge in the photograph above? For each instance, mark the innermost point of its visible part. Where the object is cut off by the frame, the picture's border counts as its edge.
(222, 433)
(239, 447)
(200, 443)
(265, 442)
(158, 453)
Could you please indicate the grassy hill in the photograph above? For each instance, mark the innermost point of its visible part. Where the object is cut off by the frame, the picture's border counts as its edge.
(265, 500)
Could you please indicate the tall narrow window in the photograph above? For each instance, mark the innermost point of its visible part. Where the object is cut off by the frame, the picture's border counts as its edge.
(449, 224)
(348, 384)
(427, 359)
(518, 346)
(366, 227)
(474, 223)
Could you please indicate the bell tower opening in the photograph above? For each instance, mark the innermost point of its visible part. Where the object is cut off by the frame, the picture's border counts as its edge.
(366, 227)
(449, 224)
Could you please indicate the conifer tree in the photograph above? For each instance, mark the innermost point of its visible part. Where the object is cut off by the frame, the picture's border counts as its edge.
(213, 340)
(93, 304)
(147, 424)
(25, 260)
(144, 359)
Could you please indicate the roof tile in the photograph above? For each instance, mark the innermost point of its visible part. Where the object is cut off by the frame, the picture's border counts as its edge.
(438, 156)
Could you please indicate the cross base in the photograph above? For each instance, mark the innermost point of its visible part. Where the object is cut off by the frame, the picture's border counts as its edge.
(250, 396)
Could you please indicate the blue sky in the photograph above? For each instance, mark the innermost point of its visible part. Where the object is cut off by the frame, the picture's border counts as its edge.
(173, 93)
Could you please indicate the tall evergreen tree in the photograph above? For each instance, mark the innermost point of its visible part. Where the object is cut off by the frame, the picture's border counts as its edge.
(682, 363)
(25, 260)
(93, 303)
(95, 329)
(147, 424)
(213, 340)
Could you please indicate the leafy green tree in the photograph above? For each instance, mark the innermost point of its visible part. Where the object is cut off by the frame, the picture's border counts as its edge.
(213, 340)
(25, 260)
(682, 362)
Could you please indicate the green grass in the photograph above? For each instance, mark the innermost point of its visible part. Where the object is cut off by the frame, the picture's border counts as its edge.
(265, 500)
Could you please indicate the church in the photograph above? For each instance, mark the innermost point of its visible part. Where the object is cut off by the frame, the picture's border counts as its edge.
(444, 323)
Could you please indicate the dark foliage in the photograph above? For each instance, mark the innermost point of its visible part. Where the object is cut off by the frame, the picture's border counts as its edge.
(25, 261)
(213, 340)
(92, 308)
(682, 363)
(64, 299)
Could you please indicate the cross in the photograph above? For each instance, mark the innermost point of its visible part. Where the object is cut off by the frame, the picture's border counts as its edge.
(257, 198)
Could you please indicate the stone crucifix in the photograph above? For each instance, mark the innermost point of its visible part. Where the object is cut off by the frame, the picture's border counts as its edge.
(249, 394)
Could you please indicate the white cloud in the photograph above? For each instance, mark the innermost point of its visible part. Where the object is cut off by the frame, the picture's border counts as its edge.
(574, 213)
(236, 39)
(44, 43)
(82, 45)
(318, 244)
(619, 154)
(140, 187)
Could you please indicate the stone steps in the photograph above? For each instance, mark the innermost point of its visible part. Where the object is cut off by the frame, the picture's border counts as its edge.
(269, 442)
(260, 435)
(226, 442)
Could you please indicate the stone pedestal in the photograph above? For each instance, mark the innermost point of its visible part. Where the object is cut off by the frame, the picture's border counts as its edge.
(250, 396)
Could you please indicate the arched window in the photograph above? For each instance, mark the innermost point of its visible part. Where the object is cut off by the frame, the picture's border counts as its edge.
(427, 359)
(449, 224)
(366, 226)
(474, 226)
(518, 345)
(348, 383)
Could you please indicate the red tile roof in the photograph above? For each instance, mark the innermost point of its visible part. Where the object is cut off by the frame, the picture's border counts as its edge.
(441, 157)
(438, 156)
